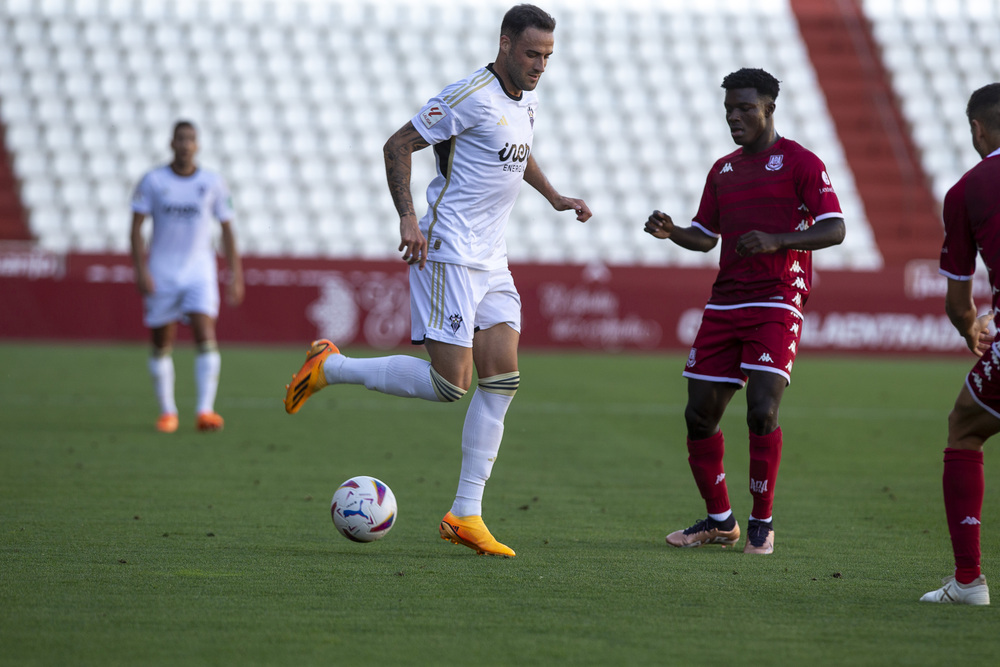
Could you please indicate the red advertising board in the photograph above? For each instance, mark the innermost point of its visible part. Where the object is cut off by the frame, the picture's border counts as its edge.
(93, 297)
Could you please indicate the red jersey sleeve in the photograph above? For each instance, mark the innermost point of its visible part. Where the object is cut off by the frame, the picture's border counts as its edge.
(814, 188)
(958, 253)
(707, 217)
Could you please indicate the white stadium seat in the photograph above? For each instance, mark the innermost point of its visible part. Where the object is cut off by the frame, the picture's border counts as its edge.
(295, 101)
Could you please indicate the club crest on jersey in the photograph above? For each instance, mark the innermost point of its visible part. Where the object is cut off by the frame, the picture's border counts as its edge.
(431, 116)
(531, 117)
(775, 163)
(456, 321)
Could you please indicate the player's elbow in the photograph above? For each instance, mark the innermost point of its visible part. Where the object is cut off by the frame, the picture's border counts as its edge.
(838, 231)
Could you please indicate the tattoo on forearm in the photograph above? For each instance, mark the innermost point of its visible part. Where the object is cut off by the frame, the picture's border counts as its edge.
(398, 166)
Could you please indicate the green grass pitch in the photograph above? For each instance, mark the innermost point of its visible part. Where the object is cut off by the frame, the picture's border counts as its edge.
(123, 546)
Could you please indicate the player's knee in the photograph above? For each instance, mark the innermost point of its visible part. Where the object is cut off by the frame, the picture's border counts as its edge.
(762, 419)
(504, 383)
(208, 346)
(445, 390)
(700, 424)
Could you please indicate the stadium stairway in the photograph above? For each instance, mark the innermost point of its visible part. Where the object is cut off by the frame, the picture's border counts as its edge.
(898, 200)
(13, 224)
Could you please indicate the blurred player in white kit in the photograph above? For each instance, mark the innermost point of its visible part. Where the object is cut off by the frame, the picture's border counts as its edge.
(180, 284)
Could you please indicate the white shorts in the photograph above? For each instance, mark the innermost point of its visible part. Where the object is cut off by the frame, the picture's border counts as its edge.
(449, 303)
(172, 304)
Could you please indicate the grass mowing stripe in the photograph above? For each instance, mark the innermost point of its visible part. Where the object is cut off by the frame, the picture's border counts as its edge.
(655, 409)
(122, 546)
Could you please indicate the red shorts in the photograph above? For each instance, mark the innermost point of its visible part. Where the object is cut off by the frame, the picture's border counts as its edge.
(731, 342)
(983, 381)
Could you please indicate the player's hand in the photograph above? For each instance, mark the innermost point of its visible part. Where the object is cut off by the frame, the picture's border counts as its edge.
(583, 213)
(144, 283)
(412, 242)
(235, 291)
(757, 243)
(659, 225)
(980, 339)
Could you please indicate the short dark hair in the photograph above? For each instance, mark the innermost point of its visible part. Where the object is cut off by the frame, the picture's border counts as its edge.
(984, 106)
(183, 125)
(752, 77)
(521, 17)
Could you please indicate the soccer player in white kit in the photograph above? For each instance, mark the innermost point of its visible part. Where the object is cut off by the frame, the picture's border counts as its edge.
(180, 281)
(464, 307)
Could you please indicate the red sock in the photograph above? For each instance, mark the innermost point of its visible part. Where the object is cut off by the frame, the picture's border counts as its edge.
(964, 487)
(765, 457)
(705, 458)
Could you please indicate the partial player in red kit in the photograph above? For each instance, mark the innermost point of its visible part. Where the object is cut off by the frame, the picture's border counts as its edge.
(972, 226)
(772, 203)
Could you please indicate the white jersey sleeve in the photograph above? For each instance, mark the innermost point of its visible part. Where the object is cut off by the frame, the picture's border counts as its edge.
(142, 198)
(452, 112)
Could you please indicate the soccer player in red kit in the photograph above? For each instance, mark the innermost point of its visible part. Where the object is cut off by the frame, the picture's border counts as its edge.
(771, 202)
(971, 227)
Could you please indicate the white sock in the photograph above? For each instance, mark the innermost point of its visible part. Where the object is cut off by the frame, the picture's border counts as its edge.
(398, 375)
(721, 517)
(162, 371)
(481, 438)
(206, 377)
(753, 518)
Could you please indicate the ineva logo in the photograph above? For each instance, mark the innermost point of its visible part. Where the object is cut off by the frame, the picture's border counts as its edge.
(514, 152)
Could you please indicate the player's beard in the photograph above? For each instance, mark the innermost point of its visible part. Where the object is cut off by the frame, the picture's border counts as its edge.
(525, 82)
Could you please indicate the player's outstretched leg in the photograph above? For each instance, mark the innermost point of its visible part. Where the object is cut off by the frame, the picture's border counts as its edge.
(976, 592)
(470, 531)
(707, 531)
(760, 537)
(310, 377)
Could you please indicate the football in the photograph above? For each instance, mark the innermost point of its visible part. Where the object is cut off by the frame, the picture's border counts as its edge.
(363, 509)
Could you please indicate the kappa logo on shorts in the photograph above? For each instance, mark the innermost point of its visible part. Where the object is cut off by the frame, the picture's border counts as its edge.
(766, 358)
(456, 321)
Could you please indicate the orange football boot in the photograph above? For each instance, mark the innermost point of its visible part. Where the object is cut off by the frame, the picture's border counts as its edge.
(209, 421)
(310, 377)
(470, 531)
(167, 423)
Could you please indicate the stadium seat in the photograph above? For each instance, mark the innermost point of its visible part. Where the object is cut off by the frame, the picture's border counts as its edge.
(298, 99)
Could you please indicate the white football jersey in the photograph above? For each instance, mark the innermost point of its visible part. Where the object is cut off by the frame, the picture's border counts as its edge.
(481, 137)
(183, 209)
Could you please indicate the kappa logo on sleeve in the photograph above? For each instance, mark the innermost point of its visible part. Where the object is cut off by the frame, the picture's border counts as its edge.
(431, 116)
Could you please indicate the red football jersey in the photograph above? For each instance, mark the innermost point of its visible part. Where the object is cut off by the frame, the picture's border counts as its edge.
(783, 189)
(972, 223)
